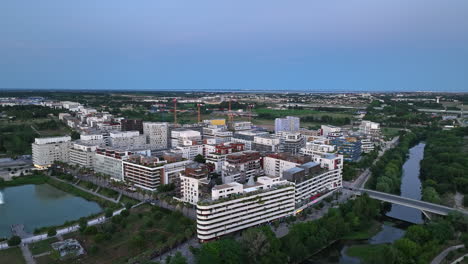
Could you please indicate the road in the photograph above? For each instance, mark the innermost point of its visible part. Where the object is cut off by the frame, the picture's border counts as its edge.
(444, 253)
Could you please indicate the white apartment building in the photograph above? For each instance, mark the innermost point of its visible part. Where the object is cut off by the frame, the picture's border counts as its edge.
(266, 143)
(185, 137)
(235, 207)
(241, 166)
(156, 134)
(108, 161)
(327, 130)
(367, 145)
(313, 179)
(317, 147)
(126, 139)
(189, 151)
(172, 171)
(82, 154)
(45, 151)
(275, 164)
(287, 124)
(143, 172)
(240, 126)
(94, 138)
(370, 129)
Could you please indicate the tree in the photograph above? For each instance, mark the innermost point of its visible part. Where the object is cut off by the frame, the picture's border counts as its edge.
(225, 251)
(177, 259)
(51, 232)
(199, 158)
(125, 213)
(137, 241)
(83, 223)
(108, 213)
(14, 241)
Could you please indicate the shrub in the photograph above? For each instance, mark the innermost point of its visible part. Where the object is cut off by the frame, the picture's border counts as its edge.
(51, 232)
(14, 241)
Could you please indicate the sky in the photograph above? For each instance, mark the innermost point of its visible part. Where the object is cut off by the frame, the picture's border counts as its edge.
(310, 45)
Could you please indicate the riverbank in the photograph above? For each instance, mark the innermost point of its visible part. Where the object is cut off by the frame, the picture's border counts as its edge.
(23, 180)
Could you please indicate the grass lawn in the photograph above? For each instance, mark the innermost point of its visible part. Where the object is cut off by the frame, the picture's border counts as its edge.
(365, 252)
(11, 255)
(88, 185)
(147, 228)
(373, 229)
(108, 193)
(126, 199)
(42, 246)
(390, 131)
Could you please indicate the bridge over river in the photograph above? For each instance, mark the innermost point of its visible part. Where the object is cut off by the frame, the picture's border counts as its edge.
(424, 207)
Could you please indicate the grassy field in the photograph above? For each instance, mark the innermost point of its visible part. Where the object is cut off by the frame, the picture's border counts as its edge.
(366, 252)
(146, 229)
(11, 255)
(390, 132)
(365, 234)
(42, 246)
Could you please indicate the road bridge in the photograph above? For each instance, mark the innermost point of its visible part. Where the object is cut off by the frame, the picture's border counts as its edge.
(424, 207)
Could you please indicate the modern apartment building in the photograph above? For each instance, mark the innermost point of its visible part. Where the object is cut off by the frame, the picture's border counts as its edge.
(126, 139)
(132, 125)
(266, 143)
(241, 166)
(194, 183)
(143, 172)
(349, 147)
(275, 164)
(315, 178)
(291, 142)
(370, 129)
(287, 124)
(108, 160)
(156, 134)
(185, 137)
(234, 207)
(45, 151)
(240, 126)
(82, 154)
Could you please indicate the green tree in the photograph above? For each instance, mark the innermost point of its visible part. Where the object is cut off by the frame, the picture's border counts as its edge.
(177, 259)
(14, 241)
(108, 213)
(51, 232)
(199, 158)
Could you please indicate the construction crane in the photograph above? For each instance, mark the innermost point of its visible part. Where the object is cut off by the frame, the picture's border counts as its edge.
(230, 115)
(249, 107)
(199, 114)
(175, 110)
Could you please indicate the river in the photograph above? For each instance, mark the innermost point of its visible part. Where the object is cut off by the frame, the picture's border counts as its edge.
(411, 188)
(40, 205)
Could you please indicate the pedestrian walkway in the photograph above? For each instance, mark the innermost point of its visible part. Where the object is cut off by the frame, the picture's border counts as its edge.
(444, 253)
(28, 257)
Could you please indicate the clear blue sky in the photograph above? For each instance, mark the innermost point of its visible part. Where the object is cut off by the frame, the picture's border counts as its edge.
(314, 45)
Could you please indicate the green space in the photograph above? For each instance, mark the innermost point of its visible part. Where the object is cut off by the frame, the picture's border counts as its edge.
(387, 172)
(373, 228)
(390, 132)
(42, 246)
(12, 255)
(444, 168)
(108, 193)
(369, 253)
(134, 237)
(24, 123)
(35, 178)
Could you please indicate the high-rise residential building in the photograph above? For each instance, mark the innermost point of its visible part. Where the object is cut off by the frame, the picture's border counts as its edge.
(194, 183)
(143, 172)
(315, 178)
(233, 207)
(132, 125)
(370, 129)
(287, 124)
(126, 139)
(266, 143)
(349, 147)
(291, 142)
(45, 151)
(241, 166)
(275, 164)
(240, 126)
(185, 137)
(330, 131)
(82, 154)
(156, 134)
(109, 161)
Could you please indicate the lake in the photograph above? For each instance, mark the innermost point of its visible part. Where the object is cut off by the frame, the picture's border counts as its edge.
(40, 205)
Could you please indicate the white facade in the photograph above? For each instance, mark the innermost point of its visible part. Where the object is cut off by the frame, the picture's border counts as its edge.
(109, 166)
(189, 151)
(268, 200)
(156, 134)
(326, 130)
(181, 137)
(240, 126)
(127, 139)
(45, 151)
(275, 167)
(287, 124)
(82, 154)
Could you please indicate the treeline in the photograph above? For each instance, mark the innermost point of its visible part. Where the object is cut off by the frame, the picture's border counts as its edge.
(386, 173)
(350, 169)
(260, 245)
(421, 243)
(396, 114)
(27, 112)
(336, 121)
(16, 139)
(444, 168)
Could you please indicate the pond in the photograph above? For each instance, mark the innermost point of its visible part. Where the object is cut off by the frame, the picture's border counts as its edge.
(41, 205)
